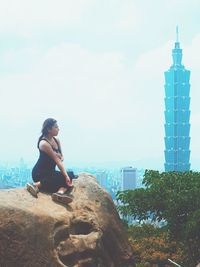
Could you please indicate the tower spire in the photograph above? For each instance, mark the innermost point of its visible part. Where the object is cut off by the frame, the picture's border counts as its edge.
(177, 34)
(177, 51)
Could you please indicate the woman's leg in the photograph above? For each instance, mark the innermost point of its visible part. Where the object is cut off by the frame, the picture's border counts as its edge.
(54, 182)
(36, 179)
(62, 190)
(37, 184)
(59, 194)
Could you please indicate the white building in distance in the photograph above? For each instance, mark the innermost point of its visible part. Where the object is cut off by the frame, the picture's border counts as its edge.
(128, 178)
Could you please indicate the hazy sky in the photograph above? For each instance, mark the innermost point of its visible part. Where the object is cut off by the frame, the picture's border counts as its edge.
(97, 67)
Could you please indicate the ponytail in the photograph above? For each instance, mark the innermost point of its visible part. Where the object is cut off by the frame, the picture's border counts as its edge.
(40, 138)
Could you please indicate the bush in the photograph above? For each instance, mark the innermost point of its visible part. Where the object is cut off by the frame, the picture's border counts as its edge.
(152, 246)
(173, 197)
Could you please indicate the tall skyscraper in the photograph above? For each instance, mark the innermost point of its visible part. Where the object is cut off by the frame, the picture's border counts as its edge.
(102, 178)
(177, 114)
(128, 176)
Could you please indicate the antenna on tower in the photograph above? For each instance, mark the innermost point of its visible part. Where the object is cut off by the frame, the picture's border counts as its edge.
(177, 34)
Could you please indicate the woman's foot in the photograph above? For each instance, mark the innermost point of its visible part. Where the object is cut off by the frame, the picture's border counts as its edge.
(62, 197)
(32, 189)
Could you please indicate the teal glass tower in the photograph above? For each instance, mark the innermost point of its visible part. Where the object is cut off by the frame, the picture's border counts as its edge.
(177, 114)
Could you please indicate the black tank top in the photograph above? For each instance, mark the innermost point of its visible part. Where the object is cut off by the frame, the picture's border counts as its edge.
(45, 163)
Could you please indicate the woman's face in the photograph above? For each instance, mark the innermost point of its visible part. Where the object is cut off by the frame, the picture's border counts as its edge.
(54, 130)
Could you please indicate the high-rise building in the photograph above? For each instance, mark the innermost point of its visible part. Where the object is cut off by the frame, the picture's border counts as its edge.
(177, 113)
(102, 178)
(128, 176)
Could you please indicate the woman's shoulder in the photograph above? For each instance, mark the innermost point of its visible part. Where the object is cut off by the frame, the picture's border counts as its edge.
(43, 143)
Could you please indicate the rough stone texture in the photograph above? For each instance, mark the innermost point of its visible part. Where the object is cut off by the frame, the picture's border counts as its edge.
(39, 232)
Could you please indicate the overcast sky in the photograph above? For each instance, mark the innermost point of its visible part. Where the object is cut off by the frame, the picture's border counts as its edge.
(97, 66)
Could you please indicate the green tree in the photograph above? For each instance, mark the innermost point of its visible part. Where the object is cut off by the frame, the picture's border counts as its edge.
(173, 197)
(152, 247)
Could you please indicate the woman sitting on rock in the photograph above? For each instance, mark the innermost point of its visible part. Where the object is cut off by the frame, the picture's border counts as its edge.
(44, 175)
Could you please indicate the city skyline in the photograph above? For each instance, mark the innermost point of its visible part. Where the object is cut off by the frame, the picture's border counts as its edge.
(97, 67)
(111, 179)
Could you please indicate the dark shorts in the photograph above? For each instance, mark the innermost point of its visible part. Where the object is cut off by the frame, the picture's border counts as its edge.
(51, 182)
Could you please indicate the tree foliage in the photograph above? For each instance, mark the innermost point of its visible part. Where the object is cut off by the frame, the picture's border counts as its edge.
(170, 196)
(152, 246)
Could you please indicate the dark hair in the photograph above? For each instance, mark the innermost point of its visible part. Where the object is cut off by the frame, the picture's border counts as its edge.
(47, 125)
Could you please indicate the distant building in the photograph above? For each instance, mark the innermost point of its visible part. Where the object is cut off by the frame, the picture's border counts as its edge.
(102, 178)
(128, 178)
(177, 114)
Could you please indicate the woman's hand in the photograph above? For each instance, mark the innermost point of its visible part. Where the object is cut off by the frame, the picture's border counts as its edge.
(68, 181)
(60, 156)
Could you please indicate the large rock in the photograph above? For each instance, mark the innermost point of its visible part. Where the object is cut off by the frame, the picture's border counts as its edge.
(39, 232)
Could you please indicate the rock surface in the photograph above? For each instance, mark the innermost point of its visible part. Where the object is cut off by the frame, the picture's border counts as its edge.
(39, 232)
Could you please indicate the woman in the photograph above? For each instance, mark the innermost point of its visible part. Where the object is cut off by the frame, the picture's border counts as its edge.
(44, 175)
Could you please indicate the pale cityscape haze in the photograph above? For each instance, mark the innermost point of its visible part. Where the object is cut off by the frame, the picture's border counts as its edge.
(98, 68)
